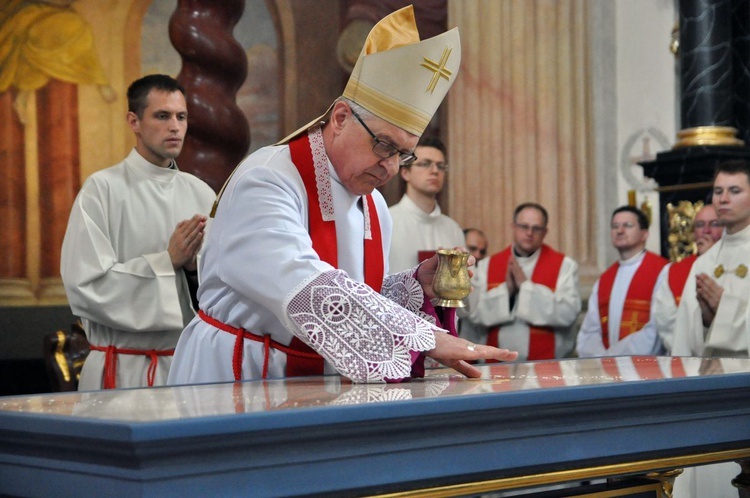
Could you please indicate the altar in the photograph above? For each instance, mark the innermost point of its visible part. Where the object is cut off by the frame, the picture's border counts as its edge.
(522, 425)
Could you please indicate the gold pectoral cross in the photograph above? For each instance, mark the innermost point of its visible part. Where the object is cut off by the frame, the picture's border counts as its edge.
(438, 68)
(740, 271)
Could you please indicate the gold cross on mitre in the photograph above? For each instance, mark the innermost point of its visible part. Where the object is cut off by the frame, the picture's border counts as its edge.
(438, 68)
(740, 271)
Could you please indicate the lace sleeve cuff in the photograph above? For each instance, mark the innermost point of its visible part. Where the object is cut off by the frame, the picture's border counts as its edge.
(404, 289)
(363, 335)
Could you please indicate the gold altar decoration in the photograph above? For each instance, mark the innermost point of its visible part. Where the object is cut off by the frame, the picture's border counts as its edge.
(681, 238)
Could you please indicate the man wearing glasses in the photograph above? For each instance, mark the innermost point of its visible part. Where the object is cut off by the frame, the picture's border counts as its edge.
(619, 319)
(706, 231)
(294, 277)
(419, 227)
(528, 293)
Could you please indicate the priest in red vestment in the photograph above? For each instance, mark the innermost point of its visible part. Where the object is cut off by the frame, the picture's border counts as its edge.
(619, 320)
(527, 294)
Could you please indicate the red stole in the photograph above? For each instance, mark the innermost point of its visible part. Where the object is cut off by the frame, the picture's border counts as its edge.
(637, 308)
(677, 276)
(546, 271)
(323, 235)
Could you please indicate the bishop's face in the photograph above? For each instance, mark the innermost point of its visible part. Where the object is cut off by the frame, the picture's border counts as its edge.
(357, 166)
(731, 198)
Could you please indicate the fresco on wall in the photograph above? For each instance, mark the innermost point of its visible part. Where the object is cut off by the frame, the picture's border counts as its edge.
(43, 40)
(47, 49)
(258, 98)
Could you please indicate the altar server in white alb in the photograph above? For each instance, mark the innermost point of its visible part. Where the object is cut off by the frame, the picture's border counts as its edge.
(129, 254)
(712, 319)
(293, 277)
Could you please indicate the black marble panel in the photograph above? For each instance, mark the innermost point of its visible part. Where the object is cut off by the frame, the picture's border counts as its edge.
(741, 67)
(707, 86)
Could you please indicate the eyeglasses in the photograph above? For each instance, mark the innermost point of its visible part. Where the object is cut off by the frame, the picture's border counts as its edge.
(702, 224)
(536, 229)
(385, 150)
(482, 252)
(627, 225)
(427, 164)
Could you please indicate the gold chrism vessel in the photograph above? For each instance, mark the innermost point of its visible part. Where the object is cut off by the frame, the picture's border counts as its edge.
(451, 283)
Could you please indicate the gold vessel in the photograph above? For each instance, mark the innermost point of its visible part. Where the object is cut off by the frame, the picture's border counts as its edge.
(451, 283)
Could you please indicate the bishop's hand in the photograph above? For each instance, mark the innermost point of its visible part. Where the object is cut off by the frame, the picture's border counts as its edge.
(455, 352)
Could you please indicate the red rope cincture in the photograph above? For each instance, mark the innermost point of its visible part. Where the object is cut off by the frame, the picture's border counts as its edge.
(241, 334)
(110, 362)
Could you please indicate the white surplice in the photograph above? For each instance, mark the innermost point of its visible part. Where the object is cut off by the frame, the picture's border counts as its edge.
(260, 272)
(728, 334)
(117, 272)
(664, 309)
(535, 305)
(643, 342)
(414, 231)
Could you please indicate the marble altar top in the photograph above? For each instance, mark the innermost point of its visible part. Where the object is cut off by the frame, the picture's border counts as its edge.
(206, 400)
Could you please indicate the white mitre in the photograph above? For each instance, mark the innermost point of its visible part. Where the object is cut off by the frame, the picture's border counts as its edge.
(399, 78)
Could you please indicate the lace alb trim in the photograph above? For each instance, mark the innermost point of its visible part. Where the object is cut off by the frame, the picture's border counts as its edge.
(322, 175)
(366, 214)
(403, 289)
(365, 336)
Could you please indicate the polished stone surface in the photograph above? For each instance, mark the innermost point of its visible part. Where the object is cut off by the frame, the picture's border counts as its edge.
(521, 424)
(204, 400)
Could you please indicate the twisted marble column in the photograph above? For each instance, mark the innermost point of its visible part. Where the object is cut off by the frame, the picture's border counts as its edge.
(214, 66)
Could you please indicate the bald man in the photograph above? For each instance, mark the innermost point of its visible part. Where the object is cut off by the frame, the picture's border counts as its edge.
(707, 230)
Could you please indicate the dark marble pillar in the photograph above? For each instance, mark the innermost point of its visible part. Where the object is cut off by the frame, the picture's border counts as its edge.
(705, 53)
(714, 56)
(741, 68)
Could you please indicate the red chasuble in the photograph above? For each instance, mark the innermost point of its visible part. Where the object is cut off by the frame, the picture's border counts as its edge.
(546, 271)
(323, 235)
(637, 308)
(677, 276)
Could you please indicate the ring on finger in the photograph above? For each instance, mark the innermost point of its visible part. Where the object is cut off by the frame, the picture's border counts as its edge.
(471, 346)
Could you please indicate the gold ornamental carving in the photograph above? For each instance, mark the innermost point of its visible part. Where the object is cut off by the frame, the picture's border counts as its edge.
(708, 135)
(681, 238)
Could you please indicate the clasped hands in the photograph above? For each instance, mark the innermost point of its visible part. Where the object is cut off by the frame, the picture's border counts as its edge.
(515, 276)
(708, 292)
(186, 241)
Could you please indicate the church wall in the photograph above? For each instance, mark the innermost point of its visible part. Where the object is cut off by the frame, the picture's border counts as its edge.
(646, 105)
